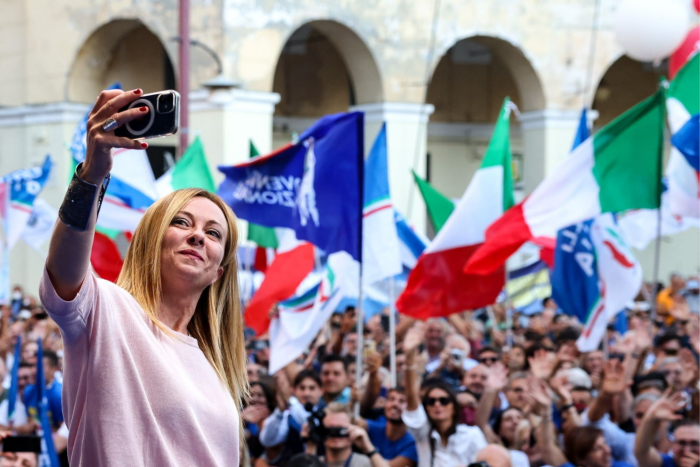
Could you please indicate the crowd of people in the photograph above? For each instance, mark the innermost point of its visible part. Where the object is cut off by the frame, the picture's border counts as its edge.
(488, 387)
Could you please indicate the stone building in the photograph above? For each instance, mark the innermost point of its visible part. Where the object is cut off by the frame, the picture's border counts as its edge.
(435, 71)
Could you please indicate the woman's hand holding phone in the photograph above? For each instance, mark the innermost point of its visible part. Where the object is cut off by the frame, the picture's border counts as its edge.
(100, 142)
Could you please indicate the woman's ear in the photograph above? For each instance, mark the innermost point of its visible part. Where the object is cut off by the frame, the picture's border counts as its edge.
(219, 273)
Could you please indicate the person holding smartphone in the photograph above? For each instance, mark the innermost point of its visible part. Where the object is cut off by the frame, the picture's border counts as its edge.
(155, 365)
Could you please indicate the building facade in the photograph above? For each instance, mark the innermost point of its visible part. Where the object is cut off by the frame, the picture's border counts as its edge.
(435, 71)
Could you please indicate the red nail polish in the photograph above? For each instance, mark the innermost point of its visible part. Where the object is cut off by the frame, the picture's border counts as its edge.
(138, 91)
(143, 109)
(144, 145)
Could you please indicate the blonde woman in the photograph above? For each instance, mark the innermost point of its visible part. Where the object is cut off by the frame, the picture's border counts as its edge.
(154, 365)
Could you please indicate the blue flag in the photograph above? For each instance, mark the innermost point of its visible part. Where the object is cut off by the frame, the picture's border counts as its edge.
(79, 141)
(582, 133)
(14, 380)
(24, 186)
(687, 140)
(313, 187)
(575, 279)
(48, 455)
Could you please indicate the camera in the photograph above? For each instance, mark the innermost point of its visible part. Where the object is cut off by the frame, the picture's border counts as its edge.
(162, 119)
(317, 432)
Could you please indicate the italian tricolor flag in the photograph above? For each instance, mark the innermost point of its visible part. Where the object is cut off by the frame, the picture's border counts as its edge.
(616, 170)
(437, 286)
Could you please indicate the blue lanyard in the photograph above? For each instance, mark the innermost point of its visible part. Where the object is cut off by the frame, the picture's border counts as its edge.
(347, 462)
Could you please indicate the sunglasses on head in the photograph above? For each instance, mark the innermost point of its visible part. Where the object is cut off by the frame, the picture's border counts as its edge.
(670, 351)
(488, 359)
(444, 401)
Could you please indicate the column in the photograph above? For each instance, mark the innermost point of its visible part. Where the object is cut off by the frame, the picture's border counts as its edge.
(406, 125)
(547, 138)
(228, 119)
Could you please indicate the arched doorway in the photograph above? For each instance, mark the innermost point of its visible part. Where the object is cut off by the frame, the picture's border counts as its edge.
(467, 89)
(624, 84)
(324, 68)
(123, 51)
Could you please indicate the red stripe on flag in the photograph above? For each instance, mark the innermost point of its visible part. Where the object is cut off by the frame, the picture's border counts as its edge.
(281, 281)
(260, 159)
(437, 286)
(381, 208)
(105, 258)
(503, 238)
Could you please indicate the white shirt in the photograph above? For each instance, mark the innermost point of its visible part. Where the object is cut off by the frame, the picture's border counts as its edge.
(19, 417)
(461, 448)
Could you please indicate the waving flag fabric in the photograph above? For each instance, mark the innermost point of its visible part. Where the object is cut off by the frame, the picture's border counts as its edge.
(381, 256)
(40, 225)
(312, 187)
(439, 206)
(683, 105)
(615, 170)
(20, 189)
(595, 276)
(264, 237)
(302, 316)
(438, 286)
(191, 171)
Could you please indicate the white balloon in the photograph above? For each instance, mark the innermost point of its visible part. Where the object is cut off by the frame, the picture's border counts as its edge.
(650, 30)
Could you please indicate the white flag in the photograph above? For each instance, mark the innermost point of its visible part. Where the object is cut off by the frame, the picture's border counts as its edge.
(302, 317)
(40, 225)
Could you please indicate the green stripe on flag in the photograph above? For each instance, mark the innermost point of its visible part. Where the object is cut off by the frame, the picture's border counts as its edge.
(628, 154)
(498, 153)
(192, 170)
(439, 206)
(686, 85)
(265, 237)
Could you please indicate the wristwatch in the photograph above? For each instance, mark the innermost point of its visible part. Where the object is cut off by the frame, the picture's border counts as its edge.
(371, 453)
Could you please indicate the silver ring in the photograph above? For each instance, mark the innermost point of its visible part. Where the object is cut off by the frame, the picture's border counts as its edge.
(110, 124)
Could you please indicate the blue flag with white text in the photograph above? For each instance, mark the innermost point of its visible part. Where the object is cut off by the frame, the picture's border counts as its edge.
(313, 187)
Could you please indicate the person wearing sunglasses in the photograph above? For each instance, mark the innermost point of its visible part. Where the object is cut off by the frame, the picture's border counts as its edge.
(339, 437)
(685, 446)
(489, 356)
(441, 440)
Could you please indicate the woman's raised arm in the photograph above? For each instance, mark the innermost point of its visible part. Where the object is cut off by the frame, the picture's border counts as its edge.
(69, 252)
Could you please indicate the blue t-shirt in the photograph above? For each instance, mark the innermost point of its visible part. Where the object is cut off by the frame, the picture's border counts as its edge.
(614, 464)
(667, 461)
(404, 446)
(53, 396)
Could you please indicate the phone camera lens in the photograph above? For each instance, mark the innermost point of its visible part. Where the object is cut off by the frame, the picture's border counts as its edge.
(166, 103)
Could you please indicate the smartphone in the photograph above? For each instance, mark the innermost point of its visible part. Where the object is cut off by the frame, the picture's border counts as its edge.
(22, 444)
(162, 119)
(370, 347)
(385, 323)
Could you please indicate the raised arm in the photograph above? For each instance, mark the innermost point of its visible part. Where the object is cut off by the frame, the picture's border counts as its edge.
(410, 347)
(614, 382)
(69, 251)
(661, 410)
(545, 434)
(497, 380)
(374, 385)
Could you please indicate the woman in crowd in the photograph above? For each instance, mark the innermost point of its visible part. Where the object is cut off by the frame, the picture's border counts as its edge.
(441, 440)
(155, 366)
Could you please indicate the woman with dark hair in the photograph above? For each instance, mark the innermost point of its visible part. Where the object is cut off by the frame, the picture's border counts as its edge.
(585, 446)
(441, 440)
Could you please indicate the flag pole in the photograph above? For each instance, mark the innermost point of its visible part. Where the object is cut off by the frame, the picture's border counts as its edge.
(360, 312)
(392, 331)
(509, 321)
(663, 84)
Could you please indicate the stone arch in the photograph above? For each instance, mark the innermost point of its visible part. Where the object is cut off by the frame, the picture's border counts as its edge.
(487, 58)
(123, 50)
(467, 88)
(625, 83)
(325, 67)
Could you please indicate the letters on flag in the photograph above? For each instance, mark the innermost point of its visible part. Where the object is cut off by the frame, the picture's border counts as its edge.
(312, 187)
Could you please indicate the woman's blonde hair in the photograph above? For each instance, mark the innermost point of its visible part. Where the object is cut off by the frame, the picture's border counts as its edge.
(217, 323)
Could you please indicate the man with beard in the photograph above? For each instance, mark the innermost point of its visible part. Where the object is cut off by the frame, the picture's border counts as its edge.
(389, 435)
